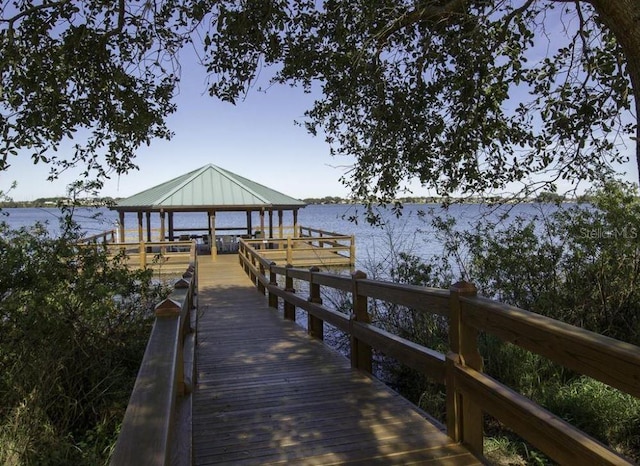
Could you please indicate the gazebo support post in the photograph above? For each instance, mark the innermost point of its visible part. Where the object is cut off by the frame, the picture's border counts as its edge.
(140, 234)
(162, 230)
(280, 224)
(212, 235)
(148, 212)
(121, 226)
(170, 226)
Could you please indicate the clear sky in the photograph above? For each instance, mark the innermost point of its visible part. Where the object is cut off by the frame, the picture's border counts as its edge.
(256, 138)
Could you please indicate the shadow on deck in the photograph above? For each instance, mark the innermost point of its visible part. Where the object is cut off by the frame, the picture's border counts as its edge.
(267, 393)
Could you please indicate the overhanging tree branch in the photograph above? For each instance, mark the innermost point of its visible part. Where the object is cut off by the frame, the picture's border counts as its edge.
(427, 13)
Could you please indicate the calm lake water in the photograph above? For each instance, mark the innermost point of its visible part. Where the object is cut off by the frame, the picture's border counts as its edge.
(412, 232)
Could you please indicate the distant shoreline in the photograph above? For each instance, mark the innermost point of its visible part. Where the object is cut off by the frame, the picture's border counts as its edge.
(542, 197)
(428, 201)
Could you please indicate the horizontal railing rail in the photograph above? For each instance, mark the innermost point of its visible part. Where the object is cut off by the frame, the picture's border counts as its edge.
(470, 392)
(150, 432)
(108, 236)
(329, 250)
(171, 256)
(132, 235)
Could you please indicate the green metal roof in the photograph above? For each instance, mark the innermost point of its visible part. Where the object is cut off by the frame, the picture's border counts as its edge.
(209, 187)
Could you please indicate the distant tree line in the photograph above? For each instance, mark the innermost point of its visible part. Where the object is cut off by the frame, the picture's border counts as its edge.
(58, 201)
(544, 196)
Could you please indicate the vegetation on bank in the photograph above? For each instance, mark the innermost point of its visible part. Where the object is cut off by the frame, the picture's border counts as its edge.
(545, 196)
(73, 328)
(578, 265)
(58, 202)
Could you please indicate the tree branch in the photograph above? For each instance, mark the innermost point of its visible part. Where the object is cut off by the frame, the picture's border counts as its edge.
(11, 21)
(120, 27)
(33, 9)
(424, 14)
(517, 11)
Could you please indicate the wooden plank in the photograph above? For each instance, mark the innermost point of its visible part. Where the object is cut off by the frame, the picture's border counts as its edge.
(558, 439)
(268, 393)
(429, 300)
(307, 256)
(611, 361)
(427, 361)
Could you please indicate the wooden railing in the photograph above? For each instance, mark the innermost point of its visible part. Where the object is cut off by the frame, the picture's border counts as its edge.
(108, 236)
(132, 235)
(330, 249)
(162, 256)
(156, 424)
(470, 393)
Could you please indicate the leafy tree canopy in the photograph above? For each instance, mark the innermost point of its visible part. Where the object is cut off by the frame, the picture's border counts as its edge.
(98, 73)
(462, 95)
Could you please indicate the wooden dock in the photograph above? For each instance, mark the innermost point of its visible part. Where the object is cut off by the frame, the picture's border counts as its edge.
(267, 393)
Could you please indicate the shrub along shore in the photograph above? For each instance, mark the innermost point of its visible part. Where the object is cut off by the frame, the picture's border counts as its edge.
(73, 329)
(579, 265)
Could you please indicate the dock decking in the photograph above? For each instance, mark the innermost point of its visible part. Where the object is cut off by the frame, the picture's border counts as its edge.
(267, 393)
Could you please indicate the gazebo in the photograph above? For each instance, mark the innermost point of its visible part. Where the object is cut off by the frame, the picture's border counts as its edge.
(209, 189)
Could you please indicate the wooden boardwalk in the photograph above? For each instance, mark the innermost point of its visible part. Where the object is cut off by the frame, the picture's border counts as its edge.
(267, 393)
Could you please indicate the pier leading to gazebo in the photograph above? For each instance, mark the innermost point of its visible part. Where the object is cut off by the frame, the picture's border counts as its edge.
(214, 192)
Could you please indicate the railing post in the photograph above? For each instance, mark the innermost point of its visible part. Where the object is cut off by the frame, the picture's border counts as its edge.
(252, 275)
(246, 256)
(289, 250)
(360, 352)
(315, 326)
(261, 288)
(289, 308)
(464, 418)
(143, 255)
(273, 281)
(185, 283)
(352, 251)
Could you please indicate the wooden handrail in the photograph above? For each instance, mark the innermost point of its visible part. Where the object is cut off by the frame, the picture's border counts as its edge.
(149, 433)
(470, 392)
(108, 236)
(342, 246)
(608, 360)
(156, 253)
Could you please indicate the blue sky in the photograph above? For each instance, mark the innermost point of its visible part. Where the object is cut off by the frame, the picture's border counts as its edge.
(256, 138)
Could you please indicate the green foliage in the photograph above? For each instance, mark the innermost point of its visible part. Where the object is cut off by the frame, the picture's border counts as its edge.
(73, 327)
(550, 197)
(599, 409)
(578, 264)
(462, 96)
(91, 74)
